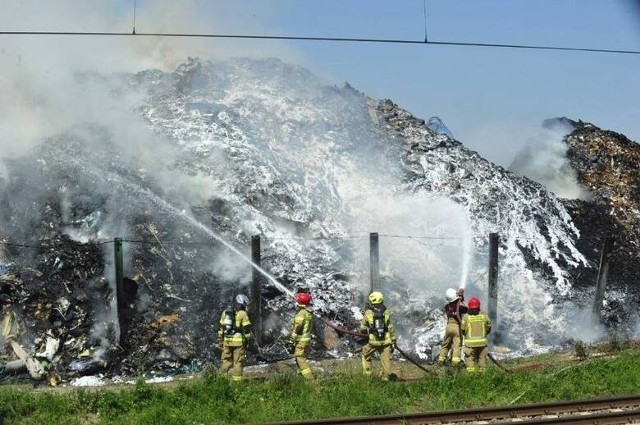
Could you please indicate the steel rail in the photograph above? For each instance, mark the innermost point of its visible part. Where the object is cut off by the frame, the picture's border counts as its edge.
(601, 418)
(574, 412)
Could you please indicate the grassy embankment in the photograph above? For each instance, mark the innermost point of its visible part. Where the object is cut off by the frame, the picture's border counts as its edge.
(212, 399)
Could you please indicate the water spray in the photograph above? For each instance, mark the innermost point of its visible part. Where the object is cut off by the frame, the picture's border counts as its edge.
(166, 205)
(126, 184)
(466, 257)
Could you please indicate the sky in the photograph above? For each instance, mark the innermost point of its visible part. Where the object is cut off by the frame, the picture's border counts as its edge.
(492, 99)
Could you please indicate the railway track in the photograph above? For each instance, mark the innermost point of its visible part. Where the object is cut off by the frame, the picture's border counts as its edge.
(617, 410)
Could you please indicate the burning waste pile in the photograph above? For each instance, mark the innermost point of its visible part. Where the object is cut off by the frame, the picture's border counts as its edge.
(63, 316)
(184, 167)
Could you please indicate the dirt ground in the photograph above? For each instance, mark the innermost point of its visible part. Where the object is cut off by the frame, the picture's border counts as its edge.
(405, 371)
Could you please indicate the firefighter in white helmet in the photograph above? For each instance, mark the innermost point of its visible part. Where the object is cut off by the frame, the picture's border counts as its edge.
(233, 335)
(452, 341)
(381, 335)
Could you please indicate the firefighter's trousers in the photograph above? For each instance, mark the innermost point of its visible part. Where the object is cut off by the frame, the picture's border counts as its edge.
(452, 341)
(385, 358)
(233, 357)
(476, 358)
(301, 352)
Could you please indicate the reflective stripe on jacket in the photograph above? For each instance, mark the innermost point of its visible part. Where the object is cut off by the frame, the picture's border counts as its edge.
(302, 326)
(366, 325)
(475, 328)
(242, 327)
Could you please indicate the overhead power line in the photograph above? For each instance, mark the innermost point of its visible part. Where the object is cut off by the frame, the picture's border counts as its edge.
(325, 39)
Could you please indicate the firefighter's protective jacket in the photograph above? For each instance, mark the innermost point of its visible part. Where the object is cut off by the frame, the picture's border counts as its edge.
(241, 331)
(368, 324)
(475, 328)
(301, 333)
(455, 310)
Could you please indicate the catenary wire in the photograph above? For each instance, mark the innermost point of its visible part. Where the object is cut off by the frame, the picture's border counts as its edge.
(326, 39)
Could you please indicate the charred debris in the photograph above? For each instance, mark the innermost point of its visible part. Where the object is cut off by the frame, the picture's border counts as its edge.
(62, 207)
(57, 269)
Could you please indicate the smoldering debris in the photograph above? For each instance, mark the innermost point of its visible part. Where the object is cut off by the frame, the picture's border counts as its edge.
(165, 320)
(60, 283)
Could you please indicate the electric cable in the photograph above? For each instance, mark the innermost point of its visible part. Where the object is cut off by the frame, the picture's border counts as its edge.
(326, 39)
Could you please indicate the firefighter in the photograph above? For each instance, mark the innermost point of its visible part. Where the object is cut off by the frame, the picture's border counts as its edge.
(233, 336)
(381, 335)
(476, 325)
(452, 341)
(301, 335)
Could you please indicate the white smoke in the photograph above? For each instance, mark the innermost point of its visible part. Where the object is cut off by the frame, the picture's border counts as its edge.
(424, 241)
(227, 267)
(544, 159)
(42, 94)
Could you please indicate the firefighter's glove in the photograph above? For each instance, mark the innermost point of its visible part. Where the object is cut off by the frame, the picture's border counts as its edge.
(363, 339)
(220, 345)
(392, 348)
(291, 346)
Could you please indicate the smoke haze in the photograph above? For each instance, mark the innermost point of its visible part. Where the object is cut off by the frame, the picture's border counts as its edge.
(543, 159)
(42, 93)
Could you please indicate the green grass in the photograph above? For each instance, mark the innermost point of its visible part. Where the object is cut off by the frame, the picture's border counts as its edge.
(213, 399)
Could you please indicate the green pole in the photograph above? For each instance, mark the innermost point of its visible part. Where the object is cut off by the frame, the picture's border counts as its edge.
(256, 283)
(374, 262)
(494, 243)
(119, 270)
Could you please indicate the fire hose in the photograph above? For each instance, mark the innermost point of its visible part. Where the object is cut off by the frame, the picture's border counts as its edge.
(395, 345)
(402, 353)
(361, 335)
(493, 359)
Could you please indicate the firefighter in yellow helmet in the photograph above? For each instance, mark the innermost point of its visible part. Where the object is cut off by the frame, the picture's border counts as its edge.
(301, 334)
(476, 325)
(381, 335)
(452, 341)
(233, 336)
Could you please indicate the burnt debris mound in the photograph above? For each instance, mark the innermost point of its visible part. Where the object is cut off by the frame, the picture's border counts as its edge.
(607, 164)
(57, 265)
(281, 155)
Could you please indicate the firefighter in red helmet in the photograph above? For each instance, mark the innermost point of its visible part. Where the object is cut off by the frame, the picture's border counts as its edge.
(301, 334)
(476, 325)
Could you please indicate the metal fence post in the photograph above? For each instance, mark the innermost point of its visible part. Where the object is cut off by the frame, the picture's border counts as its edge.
(256, 299)
(119, 274)
(494, 242)
(374, 262)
